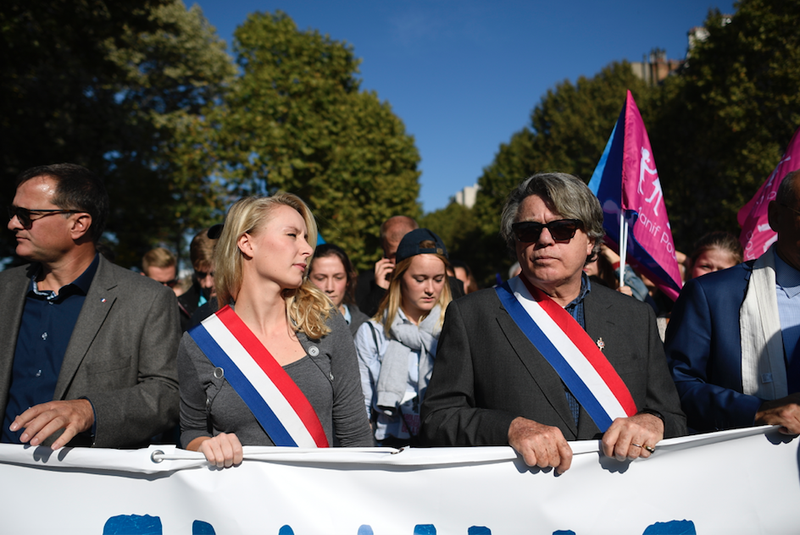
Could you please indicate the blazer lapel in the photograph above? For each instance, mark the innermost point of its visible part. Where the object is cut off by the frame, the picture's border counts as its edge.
(543, 374)
(99, 301)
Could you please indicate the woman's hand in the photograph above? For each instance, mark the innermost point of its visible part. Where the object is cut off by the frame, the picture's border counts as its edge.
(223, 450)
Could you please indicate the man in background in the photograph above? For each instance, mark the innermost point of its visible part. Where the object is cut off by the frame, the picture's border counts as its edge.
(161, 265)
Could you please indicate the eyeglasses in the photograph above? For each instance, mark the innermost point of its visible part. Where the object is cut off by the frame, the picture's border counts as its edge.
(792, 209)
(560, 230)
(24, 215)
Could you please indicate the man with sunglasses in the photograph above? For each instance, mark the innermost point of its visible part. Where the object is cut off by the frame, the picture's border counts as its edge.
(548, 357)
(733, 343)
(161, 265)
(87, 349)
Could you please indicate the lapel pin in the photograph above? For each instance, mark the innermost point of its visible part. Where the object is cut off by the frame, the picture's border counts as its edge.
(103, 300)
(601, 344)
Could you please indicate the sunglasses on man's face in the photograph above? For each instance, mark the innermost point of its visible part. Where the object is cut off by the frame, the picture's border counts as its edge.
(560, 230)
(24, 215)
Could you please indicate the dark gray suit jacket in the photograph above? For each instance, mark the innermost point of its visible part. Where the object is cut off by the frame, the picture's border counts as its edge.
(121, 356)
(487, 372)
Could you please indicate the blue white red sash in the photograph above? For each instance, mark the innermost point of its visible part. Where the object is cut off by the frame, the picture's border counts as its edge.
(274, 399)
(568, 348)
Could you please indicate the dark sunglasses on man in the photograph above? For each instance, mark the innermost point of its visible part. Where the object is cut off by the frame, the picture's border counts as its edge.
(24, 215)
(560, 229)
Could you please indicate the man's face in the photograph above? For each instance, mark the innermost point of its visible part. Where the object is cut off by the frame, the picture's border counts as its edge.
(49, 238)
(204, 276)
(786, 222)
(549, 264)
(390, 248)
(164, 275)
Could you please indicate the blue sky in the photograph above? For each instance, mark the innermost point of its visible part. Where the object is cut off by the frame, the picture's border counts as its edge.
(464, 75)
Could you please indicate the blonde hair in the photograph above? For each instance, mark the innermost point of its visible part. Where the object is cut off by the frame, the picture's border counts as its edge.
(159, 258)
(306, 307)
(393, 299)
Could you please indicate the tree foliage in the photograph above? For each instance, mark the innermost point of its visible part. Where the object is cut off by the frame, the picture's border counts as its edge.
(724, 122)
(567, 133)
(117, 87)
(296, 121)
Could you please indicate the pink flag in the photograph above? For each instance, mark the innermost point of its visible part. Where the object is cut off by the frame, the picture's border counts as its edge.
(756, 235)
(627, 185)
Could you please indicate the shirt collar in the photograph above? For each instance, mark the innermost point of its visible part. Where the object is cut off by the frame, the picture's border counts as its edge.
(82, 283)
(787, 277)
(586, 287)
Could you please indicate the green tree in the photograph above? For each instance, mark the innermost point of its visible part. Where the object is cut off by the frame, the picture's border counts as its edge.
(567, 133)
(114, 86)
(724, 122)
(296, 121)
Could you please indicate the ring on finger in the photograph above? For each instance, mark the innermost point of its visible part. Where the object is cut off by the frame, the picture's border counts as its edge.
(651, 449)
(635, 445)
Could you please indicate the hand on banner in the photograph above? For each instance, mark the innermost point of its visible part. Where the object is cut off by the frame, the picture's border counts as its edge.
(784, 412)
(634, 437)
(540, 445)
(223, 450)
(383, 272)
(40, 421)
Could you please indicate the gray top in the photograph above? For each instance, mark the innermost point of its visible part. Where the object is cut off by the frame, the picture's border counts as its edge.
(329, 379)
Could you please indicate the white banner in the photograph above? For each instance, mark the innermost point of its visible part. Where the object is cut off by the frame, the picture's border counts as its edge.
(742, 481)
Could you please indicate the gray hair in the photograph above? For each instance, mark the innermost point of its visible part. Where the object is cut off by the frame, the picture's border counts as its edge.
(568, 196)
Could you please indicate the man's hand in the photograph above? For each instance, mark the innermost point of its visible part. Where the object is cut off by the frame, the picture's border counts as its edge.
(784, 412)
(223, 450)
(383, 272)
(629, 438)
(40, 421)
(540, 445)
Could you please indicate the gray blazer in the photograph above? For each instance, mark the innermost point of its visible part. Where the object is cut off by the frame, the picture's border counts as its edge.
(487, 372)
(121, 355)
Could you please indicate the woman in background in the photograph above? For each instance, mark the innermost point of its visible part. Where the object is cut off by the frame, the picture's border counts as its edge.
(396, 348)
(332, 272)
(715, 251)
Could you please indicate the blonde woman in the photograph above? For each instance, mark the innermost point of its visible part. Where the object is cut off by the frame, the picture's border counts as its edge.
(278, 367)
(397, 347)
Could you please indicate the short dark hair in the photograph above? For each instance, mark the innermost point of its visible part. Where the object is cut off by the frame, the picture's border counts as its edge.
(787, 193)
(77, 188)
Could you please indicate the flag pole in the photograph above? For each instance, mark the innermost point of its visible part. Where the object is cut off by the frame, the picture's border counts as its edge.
(623, 245)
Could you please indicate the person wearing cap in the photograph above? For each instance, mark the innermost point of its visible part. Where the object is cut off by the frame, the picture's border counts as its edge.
(397, 347)
(548, 357)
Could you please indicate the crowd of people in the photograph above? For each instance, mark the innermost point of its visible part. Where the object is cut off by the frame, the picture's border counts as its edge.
(277, 342)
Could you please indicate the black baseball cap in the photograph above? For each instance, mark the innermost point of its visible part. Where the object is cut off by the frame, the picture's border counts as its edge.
(410, 245)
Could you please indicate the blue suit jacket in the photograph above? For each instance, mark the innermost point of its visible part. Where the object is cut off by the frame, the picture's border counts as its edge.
(703, 348)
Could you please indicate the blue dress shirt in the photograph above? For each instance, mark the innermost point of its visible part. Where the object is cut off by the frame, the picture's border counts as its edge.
(44, 333)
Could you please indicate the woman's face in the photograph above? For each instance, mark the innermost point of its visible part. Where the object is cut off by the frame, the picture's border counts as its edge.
(328, 274)
(278, 252)
(421, 285)
(713, 259)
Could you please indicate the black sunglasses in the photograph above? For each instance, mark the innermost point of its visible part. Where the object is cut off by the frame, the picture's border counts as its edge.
(24, 215)
(560, 230)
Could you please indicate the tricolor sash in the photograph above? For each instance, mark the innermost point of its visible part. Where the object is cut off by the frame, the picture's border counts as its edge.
(273, 397)
(570, 351)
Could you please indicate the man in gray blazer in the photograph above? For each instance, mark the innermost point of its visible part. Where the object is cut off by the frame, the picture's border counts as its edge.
(87, 349)
(491, 385)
